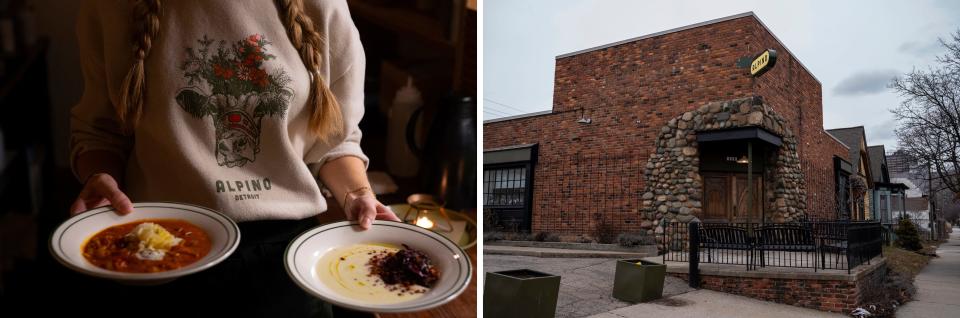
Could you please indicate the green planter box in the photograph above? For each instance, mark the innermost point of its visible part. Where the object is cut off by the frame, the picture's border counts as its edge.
(638, 283)
(520, 293)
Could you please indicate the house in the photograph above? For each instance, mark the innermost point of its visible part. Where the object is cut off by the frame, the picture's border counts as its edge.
(885, 191)
(669, 126)
(911, 171)
(856, 190)
(918, 209)
(899, 198)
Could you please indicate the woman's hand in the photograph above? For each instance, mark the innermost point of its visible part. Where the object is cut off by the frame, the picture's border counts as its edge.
(101, 189)
(365, 208)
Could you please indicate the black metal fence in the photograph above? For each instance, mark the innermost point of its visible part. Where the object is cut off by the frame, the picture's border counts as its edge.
(839, 245)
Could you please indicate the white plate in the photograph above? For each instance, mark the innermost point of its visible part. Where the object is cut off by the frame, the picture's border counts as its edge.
(305, 251)
(67, 241)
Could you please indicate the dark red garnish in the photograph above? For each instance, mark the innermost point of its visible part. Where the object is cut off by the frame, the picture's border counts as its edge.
(406, 267)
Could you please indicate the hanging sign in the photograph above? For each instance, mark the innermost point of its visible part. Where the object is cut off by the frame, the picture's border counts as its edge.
(763, 62)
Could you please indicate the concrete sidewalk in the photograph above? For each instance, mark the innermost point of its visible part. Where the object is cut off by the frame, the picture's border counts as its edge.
(707, 303)
(938, 284)
(586, 288)
(586, 284)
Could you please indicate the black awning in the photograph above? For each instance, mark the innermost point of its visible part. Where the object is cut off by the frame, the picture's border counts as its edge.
(745, 133)
(516, 153)
(842, 166)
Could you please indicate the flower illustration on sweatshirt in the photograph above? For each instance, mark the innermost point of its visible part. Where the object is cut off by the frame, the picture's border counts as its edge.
(230, 84)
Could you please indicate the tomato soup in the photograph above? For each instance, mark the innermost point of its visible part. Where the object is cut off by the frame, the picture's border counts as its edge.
(118, 248)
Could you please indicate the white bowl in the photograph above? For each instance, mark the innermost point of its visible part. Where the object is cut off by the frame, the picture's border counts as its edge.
(68, 239)
(305, 251)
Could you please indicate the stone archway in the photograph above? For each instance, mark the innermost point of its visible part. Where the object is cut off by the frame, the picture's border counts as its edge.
(673, 189)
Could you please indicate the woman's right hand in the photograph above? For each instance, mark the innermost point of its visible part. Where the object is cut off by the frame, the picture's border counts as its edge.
(101, 189)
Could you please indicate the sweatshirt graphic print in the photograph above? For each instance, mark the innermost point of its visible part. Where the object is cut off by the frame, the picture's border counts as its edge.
(230, 84)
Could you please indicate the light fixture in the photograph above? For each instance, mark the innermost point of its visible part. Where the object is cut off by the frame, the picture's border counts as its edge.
(429, 213)
(743, 160)
(583, 119)
(424, 222)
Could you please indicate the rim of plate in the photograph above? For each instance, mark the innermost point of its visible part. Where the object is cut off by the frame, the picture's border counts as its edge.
(446, 296)
(233, 237)
(459, 214)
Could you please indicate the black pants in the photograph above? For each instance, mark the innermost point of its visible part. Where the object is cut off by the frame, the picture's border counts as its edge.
(252, 282)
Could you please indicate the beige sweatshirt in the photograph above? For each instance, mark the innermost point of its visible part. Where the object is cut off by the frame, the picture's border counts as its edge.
(224, 123)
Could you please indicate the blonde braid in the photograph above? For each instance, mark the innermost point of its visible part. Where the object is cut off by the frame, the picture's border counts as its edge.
(146, 20)
(326, 120)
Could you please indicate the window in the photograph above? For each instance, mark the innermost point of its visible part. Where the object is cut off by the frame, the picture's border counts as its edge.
(505, 187)
(896, 204)
(843, 197)
(842, 170)
(884, 206)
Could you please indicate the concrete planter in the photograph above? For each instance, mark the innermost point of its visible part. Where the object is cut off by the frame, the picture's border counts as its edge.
(520, 293)
(638, 281)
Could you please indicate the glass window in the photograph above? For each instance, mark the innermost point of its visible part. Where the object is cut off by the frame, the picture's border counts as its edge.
(505, 186)
(884, 207)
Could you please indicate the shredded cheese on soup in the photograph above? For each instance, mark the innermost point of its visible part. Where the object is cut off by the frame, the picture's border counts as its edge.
(154, 241)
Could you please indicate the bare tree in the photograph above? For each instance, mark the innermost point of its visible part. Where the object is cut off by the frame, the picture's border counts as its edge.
(929, 116)
(951, 210)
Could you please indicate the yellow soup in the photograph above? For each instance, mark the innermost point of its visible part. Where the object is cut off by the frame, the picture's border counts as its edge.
(346, 271)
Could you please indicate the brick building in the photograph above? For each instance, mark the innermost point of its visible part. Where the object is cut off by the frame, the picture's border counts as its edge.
(660, 126)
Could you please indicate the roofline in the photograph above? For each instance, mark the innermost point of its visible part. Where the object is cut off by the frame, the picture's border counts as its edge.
(511, 147)
(835, 139)
(521, 116)
(841, 142)
(642, 37)
(851, 127)
(691, 26)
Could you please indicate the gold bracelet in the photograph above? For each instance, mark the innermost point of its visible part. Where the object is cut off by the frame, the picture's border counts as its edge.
(347, 195)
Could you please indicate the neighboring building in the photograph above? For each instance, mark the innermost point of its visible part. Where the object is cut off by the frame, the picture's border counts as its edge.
(913, 190)
(911, 171)
(662, 127)
(858, 196)
(919, 211)
(884, 190)
(899, 199)
(902, 165)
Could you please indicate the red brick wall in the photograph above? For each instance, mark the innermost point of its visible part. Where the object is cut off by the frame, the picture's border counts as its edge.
(827, 295)
(630, 91)
(796, 95)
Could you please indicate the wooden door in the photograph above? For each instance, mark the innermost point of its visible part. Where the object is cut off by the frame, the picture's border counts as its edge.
(716, 195)
(742, 197)
(725, 197)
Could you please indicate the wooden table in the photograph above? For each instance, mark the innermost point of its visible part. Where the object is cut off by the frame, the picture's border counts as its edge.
(463, 306)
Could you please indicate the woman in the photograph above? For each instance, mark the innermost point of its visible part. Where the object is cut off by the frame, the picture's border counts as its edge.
(239, 106)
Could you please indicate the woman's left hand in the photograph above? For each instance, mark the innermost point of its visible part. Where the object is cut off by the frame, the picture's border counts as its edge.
(365, 208)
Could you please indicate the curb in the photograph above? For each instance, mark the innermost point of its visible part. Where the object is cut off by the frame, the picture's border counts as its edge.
(558, 253)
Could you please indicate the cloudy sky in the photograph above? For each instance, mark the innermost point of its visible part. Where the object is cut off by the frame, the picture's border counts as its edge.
(881, 38)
